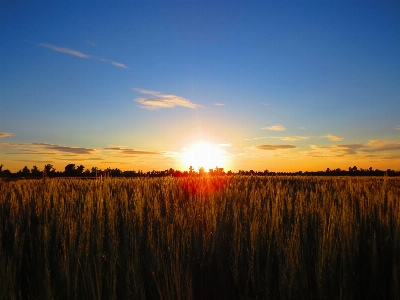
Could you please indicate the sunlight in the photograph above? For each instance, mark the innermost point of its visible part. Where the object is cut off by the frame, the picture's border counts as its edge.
(203, 155)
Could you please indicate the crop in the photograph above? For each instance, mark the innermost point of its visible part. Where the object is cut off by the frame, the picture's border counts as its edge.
(217, 237)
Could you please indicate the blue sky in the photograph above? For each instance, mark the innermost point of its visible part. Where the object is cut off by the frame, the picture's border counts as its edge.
(284, 86)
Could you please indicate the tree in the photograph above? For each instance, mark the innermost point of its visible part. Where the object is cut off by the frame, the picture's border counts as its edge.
(80, 169)
(93, 171)
(26, 171)
(70, 169)
(49, 169)
(35, 171)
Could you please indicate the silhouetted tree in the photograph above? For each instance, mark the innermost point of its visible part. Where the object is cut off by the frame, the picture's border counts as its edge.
(25, 171)
(70, 170)
(49, 169)
(4, 173)
(35, 171)
(80, 169)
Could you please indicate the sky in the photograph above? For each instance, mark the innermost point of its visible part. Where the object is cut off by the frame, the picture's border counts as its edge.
(152, 85)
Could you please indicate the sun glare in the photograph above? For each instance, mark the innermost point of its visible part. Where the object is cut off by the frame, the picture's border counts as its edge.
(203, 155)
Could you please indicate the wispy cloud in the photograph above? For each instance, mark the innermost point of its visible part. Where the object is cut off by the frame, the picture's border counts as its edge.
(159, 100)
(128, 151)
(340, 150)
(276, 127)
(283, 138)
(82, 55)
(43, 148)
(373, 146)
(119, 65)
(294, 138)
(5, 134)
(333, 137)
(397, 127)
(275, 147)
(65, 50)
(219, 104)
(383, 145)
(259, 138)
(68, 149)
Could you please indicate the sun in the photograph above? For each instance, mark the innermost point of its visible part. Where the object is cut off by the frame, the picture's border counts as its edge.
(203, 155)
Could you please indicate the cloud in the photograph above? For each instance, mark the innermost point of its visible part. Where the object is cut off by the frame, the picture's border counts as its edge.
(294, 138)
(340, 149)
(352, 149)
(259, 138)
(5, 134)
(275, 147)
(159, 100)
(383, 145)
(127, 151)
(26, 152)
(82, 55)
(119, 65)
(333, 137)
(397, 127)
(283, 138)
(65, 50)
(219, 104)
(275, 127)
(68, 149)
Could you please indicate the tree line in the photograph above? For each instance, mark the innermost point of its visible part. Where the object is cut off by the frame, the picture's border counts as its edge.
(72, 170)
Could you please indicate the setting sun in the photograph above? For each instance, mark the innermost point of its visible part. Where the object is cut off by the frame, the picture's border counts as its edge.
(203, 155)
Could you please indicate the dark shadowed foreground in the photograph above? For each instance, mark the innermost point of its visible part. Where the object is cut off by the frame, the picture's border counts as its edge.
(200, 238)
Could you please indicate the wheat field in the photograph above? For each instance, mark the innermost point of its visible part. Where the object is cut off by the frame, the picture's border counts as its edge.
(221, 237)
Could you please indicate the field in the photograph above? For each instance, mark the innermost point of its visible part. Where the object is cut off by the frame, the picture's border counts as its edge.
(222, 237)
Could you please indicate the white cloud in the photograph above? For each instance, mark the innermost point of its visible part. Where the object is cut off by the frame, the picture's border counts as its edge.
(276, 127)
(159, 100)
(333, 137)
(82, 55)
(219, 104)
(119, 65)
(65, 50)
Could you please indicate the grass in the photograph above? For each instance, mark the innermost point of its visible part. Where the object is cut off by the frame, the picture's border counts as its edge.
(200, 238)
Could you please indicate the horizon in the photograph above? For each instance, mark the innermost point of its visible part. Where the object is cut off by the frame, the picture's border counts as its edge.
(243, 86)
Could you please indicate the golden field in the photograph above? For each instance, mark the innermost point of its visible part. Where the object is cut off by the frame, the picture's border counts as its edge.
(219, 237)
